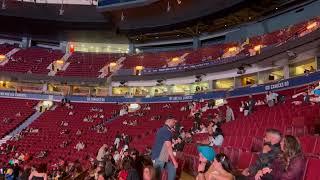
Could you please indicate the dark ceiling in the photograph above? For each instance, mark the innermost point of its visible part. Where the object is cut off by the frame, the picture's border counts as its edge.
(142, 24)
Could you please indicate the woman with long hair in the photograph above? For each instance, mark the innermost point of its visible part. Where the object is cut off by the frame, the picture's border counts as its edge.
(220, 168)
(149, 173)
(39, 173)
(289, 165)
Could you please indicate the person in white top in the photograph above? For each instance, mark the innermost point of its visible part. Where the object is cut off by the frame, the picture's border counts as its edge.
(229, 114)
(102, 152)
(217, 139)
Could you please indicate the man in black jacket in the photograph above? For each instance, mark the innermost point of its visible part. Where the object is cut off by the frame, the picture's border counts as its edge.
(270, 152)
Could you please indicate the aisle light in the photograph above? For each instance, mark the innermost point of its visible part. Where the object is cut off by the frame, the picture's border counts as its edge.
(139, 67)
(232, 49)
(175, 59)
(113, 64)
(2, 57)
(60, 61)
(257, 48)
(312, 25)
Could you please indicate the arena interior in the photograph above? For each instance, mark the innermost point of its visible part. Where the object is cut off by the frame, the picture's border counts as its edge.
(159, 89)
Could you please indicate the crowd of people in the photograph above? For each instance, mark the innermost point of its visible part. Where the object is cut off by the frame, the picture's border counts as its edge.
(281, 157)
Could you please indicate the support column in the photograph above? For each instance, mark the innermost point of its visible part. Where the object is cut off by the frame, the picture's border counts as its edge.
(26, 42)
(63, 46)
(196, 42)
(132, 48)
(286, 71)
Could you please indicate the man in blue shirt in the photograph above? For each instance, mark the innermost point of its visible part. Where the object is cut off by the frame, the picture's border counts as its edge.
(162, 153)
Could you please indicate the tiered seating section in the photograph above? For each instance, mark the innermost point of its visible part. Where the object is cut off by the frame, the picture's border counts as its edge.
(50, 134)
(243, 137)
(32, 60)
(151, 60)
(5, 48)
(36, 60)
(13, 113)
(146, 128)
(87, 64)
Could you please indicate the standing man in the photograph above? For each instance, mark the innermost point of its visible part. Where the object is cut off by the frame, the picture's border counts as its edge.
(251, 104)
(162, 153)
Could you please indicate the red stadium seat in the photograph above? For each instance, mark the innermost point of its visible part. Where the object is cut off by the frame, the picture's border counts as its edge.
(308, 144)
(312, 170)
(244, 160)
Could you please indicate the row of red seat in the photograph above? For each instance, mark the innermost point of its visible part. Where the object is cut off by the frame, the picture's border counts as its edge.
(32, 60)
(11, 116)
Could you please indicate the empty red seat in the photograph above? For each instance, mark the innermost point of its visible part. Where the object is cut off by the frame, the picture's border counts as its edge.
(245, 159)
(308, 143)
(312, 170)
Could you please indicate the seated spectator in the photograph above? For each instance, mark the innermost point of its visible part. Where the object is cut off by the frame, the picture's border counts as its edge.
(202, 128)
(64, 144)
(241, 108)
(65, 124)
(147, 107)
(155, 118)
(268, 155)
(71, 113)
(149, 173)
(33, 130)
(101, 175)
(188, 138)
(64, 131)
(260, 103)
(289, 165)
(109, 166)
(102, 152)
(6, 120)
(78, 133)
(246, 108)
(80, 146)
(178, 145)
(251, 103)
(116, 156)
(132, 172)
(147, 151)
(42, 154)
(117, 141)
(306, 98)
(166, 106)
(217, 138)
(206, 156)
(18, 114)
(269, 99)
(220, 169)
